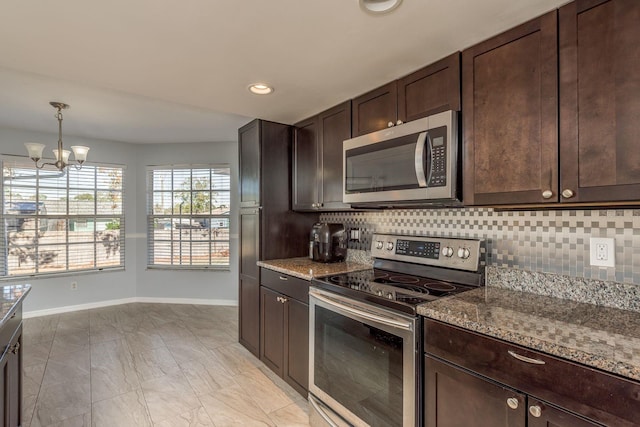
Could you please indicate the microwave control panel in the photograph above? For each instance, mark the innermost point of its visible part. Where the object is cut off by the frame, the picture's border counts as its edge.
(438, 148)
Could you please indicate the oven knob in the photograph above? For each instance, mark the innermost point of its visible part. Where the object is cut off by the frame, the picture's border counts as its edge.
(379, 244)
(379, 293)
(447, 251)
(389, 246)
(463, 253)
(389, 295)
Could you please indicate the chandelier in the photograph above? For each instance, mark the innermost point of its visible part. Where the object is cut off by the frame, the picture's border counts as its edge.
(62, 156)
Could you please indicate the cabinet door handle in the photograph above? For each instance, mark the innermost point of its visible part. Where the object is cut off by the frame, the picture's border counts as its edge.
(399, 122)
(13, 315)
(283, 278)
(567, 194)
(512, 403)
(283, 300)
(546, 194)
(535, 410)
(525, 358)
(390, 124)
(15, 348)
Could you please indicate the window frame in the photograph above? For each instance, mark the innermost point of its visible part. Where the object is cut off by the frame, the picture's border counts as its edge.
(188, 216)
(23, 162)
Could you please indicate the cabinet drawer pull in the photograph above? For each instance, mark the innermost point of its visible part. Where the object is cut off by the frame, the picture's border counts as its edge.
(512, 403)
(390, 124)
(546, 194)
(15, 348)
(525, 358)
(567, 194)
(283, 278)
(535, 410)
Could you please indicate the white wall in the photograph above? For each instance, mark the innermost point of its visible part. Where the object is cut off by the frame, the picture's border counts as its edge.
(136, 282)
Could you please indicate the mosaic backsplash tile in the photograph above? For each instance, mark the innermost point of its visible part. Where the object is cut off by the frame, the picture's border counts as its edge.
(543, 241)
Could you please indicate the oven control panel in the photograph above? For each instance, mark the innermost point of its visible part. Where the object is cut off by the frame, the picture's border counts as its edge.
(462, 254)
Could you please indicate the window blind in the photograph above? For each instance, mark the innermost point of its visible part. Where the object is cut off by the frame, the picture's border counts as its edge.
(57, 222)
(188, 216)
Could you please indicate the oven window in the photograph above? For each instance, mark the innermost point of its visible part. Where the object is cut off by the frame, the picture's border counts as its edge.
(383, 166)
(360, 367)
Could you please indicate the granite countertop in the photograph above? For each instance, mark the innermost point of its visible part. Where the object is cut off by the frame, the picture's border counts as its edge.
(606, 338)
(305, 268)
(12, 296)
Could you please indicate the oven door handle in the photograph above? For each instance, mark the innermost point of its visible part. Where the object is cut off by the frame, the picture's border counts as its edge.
(321, 412)
(369, 316)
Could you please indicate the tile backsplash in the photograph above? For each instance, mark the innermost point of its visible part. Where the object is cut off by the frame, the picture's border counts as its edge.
(544, 241)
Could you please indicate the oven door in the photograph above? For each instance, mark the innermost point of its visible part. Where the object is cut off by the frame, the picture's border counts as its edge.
(362, 362)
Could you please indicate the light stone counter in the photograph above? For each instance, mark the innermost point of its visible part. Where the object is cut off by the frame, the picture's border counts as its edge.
(306, 269)
(606, 338)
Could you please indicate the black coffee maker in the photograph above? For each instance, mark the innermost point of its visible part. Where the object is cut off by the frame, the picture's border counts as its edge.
(327, 242)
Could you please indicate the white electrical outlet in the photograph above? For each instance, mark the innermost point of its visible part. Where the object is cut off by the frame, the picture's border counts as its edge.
(602, 251)
(74, 286)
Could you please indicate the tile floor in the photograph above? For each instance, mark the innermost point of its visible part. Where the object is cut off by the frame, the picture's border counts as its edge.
(149, 365)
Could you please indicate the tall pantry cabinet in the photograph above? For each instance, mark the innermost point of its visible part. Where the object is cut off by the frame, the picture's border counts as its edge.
(269, 229)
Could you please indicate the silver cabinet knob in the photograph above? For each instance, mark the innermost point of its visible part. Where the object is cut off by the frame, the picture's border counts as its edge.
(512, 403)
(547, 194)
(399, 122)
(535, 410)
(283, 300)
(567, 194)
(390, 124)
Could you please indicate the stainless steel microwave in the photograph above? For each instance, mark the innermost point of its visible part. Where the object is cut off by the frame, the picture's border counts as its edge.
(414, 163)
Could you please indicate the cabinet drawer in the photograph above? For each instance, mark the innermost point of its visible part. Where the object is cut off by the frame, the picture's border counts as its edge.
(594, 394)
(285, 284)
(9, 328)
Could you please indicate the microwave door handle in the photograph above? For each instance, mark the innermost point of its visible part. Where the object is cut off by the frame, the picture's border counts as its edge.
(419, 159)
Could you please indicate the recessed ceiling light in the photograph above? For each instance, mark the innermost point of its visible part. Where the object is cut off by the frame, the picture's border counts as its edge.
(260, 89)
(379, 6)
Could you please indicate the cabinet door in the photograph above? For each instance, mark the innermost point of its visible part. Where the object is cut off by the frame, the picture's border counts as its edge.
(11, 382)
(305, 165)
(509, 90)
(543, 415)
(335, 127)
(249, 292)
(272, 330)
(600, 100)
(297, 346)
(249, 149)
(455, 398)
(433, 89)
(375, 110)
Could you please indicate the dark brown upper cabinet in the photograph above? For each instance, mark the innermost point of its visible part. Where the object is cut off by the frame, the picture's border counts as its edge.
(600, 101)
(430, 90)
(551, 109)
(510, 120)
(317, 160)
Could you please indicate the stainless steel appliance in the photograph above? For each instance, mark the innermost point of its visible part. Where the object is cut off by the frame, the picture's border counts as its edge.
(365, 335)
(411, 164)
(327, 242)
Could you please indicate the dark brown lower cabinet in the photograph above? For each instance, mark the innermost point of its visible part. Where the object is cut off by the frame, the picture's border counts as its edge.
(284, 328)
(10, 378)
(476, 380)
(250, 314)
(455, 397)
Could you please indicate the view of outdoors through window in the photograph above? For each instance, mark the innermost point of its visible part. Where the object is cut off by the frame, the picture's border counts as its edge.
(189, 216)
(61, 221)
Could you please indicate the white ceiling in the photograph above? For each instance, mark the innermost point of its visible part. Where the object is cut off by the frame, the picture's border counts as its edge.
(177, 71)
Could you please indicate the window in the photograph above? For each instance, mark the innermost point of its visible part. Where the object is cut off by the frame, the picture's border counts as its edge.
(56, 222)
(188, 216)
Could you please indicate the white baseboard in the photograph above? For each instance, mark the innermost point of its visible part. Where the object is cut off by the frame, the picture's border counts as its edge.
(109, 303)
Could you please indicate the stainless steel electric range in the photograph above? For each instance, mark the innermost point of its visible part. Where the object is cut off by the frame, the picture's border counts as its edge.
(365, 334)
